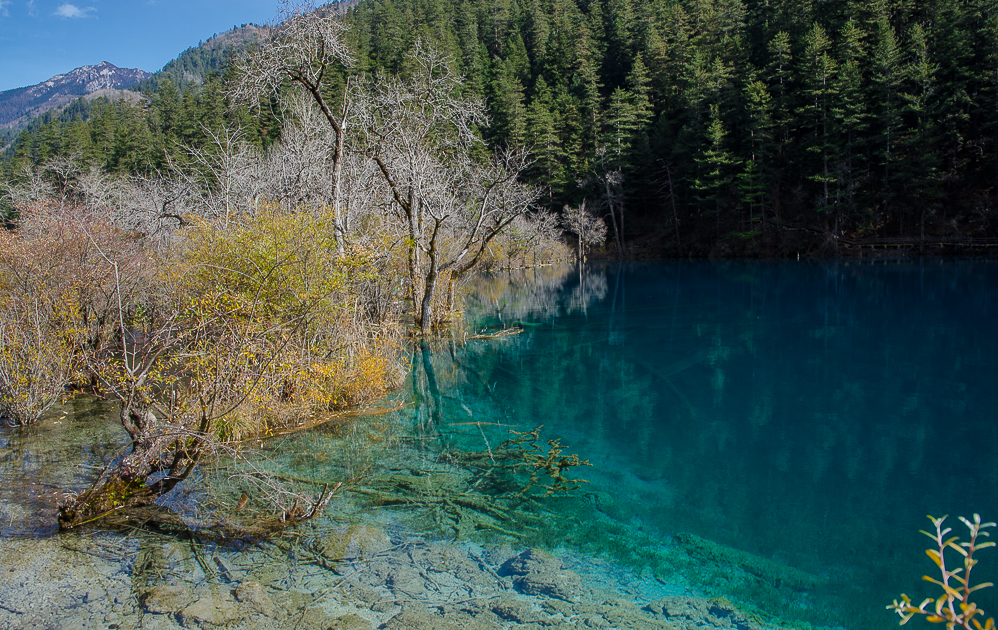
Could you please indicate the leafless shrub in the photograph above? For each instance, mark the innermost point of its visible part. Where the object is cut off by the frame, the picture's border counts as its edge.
(296, 169)
(27, 186)
(56, 301)
(223, 175)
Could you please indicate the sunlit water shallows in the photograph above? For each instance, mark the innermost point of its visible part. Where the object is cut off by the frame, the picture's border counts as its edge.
(770, 433)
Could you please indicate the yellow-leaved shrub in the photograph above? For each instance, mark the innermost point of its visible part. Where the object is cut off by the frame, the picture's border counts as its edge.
(283, 338)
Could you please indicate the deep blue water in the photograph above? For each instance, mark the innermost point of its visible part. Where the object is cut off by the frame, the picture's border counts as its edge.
(809, 413)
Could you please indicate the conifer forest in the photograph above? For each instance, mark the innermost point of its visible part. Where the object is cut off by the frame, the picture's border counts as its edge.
(693, 127)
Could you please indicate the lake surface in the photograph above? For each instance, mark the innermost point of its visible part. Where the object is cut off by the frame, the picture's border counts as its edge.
(810, 413)
(768, 433)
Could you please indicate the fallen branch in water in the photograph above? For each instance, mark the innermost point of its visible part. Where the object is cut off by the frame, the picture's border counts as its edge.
(497, 335)
(320, 419)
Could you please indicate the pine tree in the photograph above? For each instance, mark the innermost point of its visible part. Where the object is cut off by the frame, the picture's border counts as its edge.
(621, 24)
(886, 83)
(752, 180)
(506, 105)
(923, 172)
(717, 169)
(850, 110)
(542, 133)
(819, 81)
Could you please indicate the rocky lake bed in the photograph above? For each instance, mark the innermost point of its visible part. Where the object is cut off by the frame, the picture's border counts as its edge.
(349, 578)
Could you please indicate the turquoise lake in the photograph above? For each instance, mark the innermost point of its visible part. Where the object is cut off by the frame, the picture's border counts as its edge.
(809, 413)
(769, 433)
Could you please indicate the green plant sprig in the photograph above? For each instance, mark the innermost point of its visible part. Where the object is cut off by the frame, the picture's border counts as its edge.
(956, 587)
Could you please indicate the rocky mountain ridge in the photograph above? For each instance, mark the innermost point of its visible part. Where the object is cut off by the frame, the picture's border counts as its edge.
(20, 104)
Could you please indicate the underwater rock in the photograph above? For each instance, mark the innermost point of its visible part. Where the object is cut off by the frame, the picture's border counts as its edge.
(530, 561)
(315, 618)
(540, 574)
(353, 543)
(418, 616)
(563, 585)
(405, 580)
(690, 613)
(255, 597)
(167, 598)
(216, 607)
(512, 609)
(626, 614)
(350, 622)
(500, 555)
(774, 573)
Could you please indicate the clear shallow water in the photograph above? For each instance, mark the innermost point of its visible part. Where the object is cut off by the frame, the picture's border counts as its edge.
(771, 433)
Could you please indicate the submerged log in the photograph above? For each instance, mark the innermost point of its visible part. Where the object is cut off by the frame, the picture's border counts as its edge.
(162, 455)
(125, 485)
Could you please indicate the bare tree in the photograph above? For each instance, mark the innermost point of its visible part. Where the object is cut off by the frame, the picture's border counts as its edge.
(295, 169)
(100, 192)
(611, 179)
(304, 50)
(153, 206)
(531, 238)
(420, 131)
(63, 171)
(27, 186)
(589, 229)
(225, 172)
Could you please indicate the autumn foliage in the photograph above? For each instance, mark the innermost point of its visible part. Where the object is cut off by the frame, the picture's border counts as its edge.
(953, 607)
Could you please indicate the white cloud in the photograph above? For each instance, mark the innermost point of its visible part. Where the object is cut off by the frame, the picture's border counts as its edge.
(72, 11)
(3, 8)
(32, 11)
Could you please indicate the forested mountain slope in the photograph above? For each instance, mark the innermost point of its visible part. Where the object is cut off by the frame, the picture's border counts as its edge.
(838, 118)
(700, 126)
(193, 65)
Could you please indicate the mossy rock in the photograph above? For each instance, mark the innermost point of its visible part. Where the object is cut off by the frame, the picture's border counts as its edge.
(774, 573)
(354, 542)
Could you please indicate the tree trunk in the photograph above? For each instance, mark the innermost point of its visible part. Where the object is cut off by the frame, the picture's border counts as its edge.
(426, 307)
(338, 225)
(124, 485)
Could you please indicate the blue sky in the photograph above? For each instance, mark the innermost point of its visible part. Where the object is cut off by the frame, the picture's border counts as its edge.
(43, 38)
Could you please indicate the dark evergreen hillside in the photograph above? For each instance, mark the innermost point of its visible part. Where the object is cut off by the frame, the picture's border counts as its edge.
(702, 126)
(125, 137)
(744, 122)
(193, 65)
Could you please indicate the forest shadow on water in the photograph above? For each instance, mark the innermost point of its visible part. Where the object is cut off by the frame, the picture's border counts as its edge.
(732, 444)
